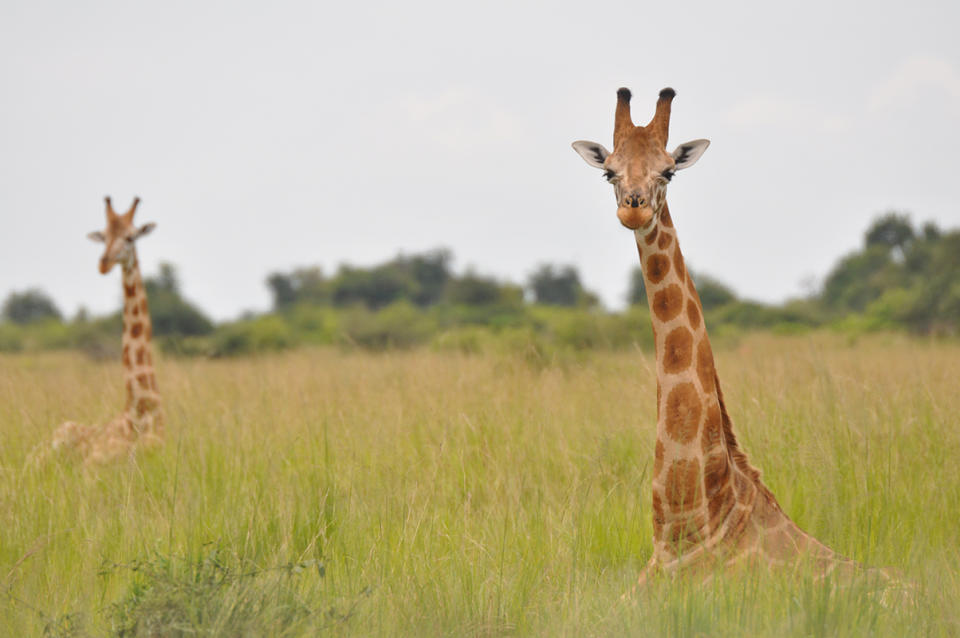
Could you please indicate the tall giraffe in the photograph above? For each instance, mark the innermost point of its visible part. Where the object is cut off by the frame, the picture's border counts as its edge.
(710, 506)
(142, 419)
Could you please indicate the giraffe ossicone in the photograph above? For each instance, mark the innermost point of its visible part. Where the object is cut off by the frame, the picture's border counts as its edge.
(141, 422)
(710, 506)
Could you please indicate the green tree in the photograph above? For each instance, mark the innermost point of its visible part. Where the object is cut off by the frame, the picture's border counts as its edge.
(934, 280)
(283, 291)
(472, 289)
(900, 278)
(559, 286)
(713, 293)
(303, 285)
(375, 288)
(431, 271)
(30, 306)
(930, 231)
(420, 279)
(892, 230)
(860, 278)
(170, 313)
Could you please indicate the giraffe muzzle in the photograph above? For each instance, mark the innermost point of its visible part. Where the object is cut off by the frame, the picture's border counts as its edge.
(634, 217)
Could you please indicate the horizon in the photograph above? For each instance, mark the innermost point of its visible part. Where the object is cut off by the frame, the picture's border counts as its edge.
(262, 139)
(813, 289)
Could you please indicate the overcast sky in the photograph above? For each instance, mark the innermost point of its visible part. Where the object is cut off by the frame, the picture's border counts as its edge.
(262, 136)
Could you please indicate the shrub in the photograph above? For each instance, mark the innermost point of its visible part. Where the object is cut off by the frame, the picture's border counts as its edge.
(262, 334)
(98, 339)
(399, 325)
(220, 594)
(314, 324)
(466, 339)
(11, 337)
(29, 306)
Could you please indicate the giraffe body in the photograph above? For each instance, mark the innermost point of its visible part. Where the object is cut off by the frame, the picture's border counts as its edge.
(141, 422)
(710, 506)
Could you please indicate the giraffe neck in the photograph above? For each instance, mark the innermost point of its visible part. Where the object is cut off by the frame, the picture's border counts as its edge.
(703, 487)
(143, 398)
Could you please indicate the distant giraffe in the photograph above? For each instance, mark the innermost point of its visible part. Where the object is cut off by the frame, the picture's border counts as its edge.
(142, 419)
(709, 505)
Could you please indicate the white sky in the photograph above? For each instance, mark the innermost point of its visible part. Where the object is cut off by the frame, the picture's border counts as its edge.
(268, 135)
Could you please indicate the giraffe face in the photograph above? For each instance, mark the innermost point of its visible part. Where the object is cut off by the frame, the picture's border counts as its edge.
(119, 236)
(639, 168)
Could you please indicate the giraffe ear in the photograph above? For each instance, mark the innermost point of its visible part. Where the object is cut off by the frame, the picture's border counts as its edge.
(146, 229)
(593, 153)
(96, 236)
(686, 155)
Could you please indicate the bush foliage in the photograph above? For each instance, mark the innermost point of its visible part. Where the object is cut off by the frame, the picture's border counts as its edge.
(902, 278)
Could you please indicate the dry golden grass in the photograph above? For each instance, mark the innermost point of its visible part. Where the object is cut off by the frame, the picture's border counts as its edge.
(425, 493)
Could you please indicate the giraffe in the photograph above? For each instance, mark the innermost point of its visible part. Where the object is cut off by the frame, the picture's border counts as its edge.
(141, 422)
(710, 506)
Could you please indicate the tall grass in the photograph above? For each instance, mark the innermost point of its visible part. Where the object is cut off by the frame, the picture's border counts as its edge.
(425, 493)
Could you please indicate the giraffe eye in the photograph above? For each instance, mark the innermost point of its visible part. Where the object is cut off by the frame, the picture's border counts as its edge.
(609, 175)
(667, 174)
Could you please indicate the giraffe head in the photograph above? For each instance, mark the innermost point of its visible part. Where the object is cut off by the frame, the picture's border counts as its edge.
(119, 236)
(640, 166)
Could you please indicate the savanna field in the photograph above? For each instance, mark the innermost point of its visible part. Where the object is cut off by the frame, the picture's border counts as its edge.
(420, 493)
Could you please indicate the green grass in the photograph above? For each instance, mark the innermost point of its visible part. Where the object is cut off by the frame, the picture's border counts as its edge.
(425, 493)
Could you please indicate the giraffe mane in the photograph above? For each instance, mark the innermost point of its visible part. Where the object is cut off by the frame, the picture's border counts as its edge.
(736, 453)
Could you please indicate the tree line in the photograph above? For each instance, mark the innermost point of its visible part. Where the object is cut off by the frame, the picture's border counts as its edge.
(902, 277)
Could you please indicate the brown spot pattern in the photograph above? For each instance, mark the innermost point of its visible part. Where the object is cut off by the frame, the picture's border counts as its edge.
(705, 370)
(712, 429)
(718, 506)
(693, 314)
(665, 218)
(143, 406)
(658, 266)
(130, 291)
(684, 534)
(136, 329)
(682, 486)
(664, 241)
(678, 263)
(668, 303)
(657, 458)
(144, 381)
(140, 355)
(651, 236)
(716, 472)
(677, 350)
(683, 413)
(136, 310)
(742, 486)
(143, 305)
